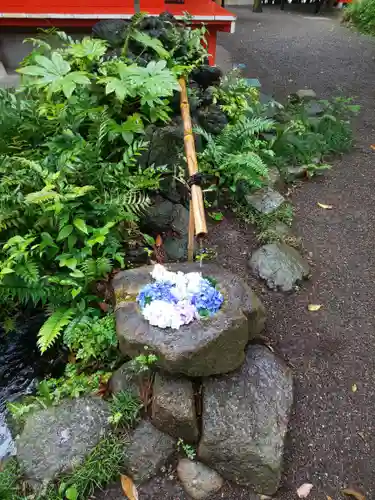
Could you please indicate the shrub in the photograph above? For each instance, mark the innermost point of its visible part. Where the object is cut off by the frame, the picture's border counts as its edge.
(70, 183)
(237, 154)
(361, 13)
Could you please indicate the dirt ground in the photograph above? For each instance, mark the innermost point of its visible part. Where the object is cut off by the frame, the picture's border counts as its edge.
(331, 440)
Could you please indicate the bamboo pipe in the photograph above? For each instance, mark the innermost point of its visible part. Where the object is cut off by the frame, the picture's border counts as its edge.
(196, 205)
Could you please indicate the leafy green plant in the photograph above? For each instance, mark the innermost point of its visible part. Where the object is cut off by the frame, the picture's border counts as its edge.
(71, 185)
(125, 409)
(100, 468)
(361, 14)
(216, 216)
(143, 362)
(73, 384)
(10, 474)
(187, 449)
(236, 154)
(305, 136)
(92, 340)
(235, 96)
(264, 221)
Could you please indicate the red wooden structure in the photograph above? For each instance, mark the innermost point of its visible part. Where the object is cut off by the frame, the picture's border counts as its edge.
(85, 13)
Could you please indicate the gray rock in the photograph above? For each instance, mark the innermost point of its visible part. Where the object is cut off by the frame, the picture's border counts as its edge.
(205, 347)
(176, 248)
(265, 200)
(165, 216)
(148, 450)
(314, 108)
(280, 265)
(295, 172)
(306, 94)
(160, 215)
(173, 407)
(180, 220)
(245, 418)
(198, 480)
(57, 439)
(274, 178)
(281, 229)
(128, 378)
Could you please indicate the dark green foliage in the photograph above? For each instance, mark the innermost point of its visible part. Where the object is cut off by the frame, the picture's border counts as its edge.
(125, 409)
(92, 340)
(10, 488)
(101, 467)
(361, 14)
(236, 154)
(235, 96)
(302, 138)
(71, 187)
(73, 384)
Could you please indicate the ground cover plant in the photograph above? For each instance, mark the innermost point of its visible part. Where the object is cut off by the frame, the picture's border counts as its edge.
(361, 15)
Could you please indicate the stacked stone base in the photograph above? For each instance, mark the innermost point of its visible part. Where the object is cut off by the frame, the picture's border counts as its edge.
(212, 388)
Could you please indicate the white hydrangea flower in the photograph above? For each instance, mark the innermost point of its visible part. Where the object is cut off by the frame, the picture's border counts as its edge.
(166, 315)
(193, 282)
(162, 314)
(159, 273)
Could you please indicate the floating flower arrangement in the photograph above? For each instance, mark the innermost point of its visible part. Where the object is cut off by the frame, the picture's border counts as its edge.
(176, 299)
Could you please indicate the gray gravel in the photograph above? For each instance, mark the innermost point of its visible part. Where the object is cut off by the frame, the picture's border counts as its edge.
(332, 438)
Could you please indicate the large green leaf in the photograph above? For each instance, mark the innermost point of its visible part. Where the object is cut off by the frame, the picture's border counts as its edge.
(55, 74)
(90, 48)
(152, 43)
(81, 225)
(53, 327)
(65, 232)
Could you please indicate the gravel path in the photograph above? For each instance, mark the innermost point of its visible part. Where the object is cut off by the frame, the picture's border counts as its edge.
(332, 431)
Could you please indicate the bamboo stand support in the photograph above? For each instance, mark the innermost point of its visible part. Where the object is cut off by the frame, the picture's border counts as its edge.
(197, 219)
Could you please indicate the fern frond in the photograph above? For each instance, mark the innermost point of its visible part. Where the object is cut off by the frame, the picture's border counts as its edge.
(134, 151)
(137, 202)
(96, 268)
(53, 327)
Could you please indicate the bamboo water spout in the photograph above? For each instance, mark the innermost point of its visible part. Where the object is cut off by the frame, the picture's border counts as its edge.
(197, 219)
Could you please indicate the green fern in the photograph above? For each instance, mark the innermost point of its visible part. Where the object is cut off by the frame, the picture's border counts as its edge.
(53, 327)
(237, 154)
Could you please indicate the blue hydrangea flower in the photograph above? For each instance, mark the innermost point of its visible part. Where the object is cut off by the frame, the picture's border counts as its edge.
(208, 299)
(156, 291)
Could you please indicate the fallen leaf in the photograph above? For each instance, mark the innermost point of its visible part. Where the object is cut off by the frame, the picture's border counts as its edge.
(304, 490)
(354, 388)
(128, 487)
(329, 498)
(372, 147)
(362, 435)
(104, 306)
(264, 497)
(353, 493)
(326, 207)
(314, 307)
(158, 241)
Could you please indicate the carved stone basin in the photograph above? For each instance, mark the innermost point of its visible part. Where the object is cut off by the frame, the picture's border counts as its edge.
(207, 346)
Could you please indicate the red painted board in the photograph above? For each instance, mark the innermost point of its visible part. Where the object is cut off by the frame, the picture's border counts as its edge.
(80, 6)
